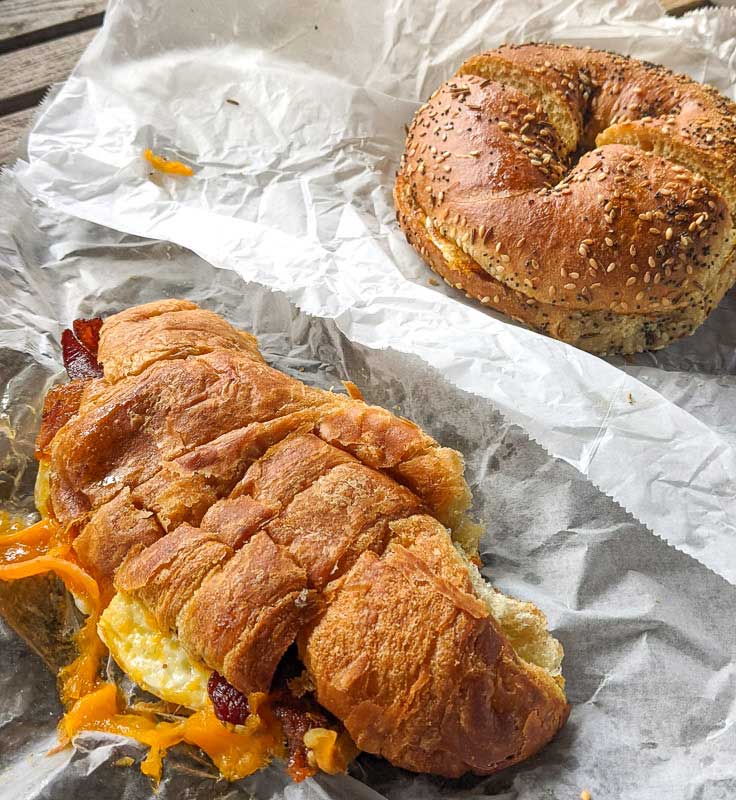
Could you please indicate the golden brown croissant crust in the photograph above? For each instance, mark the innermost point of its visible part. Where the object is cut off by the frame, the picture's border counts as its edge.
(583, 193)
(248, 511)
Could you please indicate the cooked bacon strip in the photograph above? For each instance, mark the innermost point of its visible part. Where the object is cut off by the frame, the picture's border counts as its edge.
(297, 715)
(78, 360)
(88, 332)
(230, 705)
(79, 349)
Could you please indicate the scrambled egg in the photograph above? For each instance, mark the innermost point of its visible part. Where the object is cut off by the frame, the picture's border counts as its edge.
(42, 489)
(154, 660)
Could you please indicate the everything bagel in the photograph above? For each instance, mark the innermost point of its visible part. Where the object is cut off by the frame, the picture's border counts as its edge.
(587, 195)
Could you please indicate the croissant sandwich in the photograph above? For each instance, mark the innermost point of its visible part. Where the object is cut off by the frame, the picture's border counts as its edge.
(290, 572)
(587, 195)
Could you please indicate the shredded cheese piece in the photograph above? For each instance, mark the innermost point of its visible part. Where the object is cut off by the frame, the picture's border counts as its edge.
(331, 753)
(353, 391)
(163, 164)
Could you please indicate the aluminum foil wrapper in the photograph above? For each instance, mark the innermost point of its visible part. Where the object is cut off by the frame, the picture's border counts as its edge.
(608, 487)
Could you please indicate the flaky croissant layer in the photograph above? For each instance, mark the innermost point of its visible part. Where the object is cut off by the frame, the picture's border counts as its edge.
(245, 511)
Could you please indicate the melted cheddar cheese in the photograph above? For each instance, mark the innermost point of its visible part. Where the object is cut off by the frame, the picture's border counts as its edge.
(43, 548)
(237, 751)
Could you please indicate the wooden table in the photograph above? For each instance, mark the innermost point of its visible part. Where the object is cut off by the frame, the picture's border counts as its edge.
(41, 41)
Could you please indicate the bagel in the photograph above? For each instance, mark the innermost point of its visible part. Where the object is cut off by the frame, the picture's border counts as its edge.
(587, 195)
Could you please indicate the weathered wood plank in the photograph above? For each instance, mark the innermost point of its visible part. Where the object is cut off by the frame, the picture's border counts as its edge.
(12, 128)
(26, 22)
(25, 73)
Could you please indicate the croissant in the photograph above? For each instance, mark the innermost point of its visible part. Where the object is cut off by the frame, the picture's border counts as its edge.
(288, 563)
(587, 195)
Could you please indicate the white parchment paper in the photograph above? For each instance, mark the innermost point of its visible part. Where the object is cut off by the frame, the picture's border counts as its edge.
(648, 632)
(292, 191)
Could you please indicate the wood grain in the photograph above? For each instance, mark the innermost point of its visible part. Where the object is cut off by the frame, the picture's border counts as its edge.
(678, 7)
(27, 72)
(12, 127)
(27, 22)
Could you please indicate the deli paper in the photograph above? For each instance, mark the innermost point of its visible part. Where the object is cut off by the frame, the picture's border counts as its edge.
(648, 632)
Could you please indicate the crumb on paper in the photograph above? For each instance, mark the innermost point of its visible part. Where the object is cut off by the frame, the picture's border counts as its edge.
(125, 761)
(585, 795)
(231, 101)
(162, 164)
(433, 282)
(630, 398)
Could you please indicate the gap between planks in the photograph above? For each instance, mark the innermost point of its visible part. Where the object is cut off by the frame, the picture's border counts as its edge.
(28, 72)
(27, 22)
